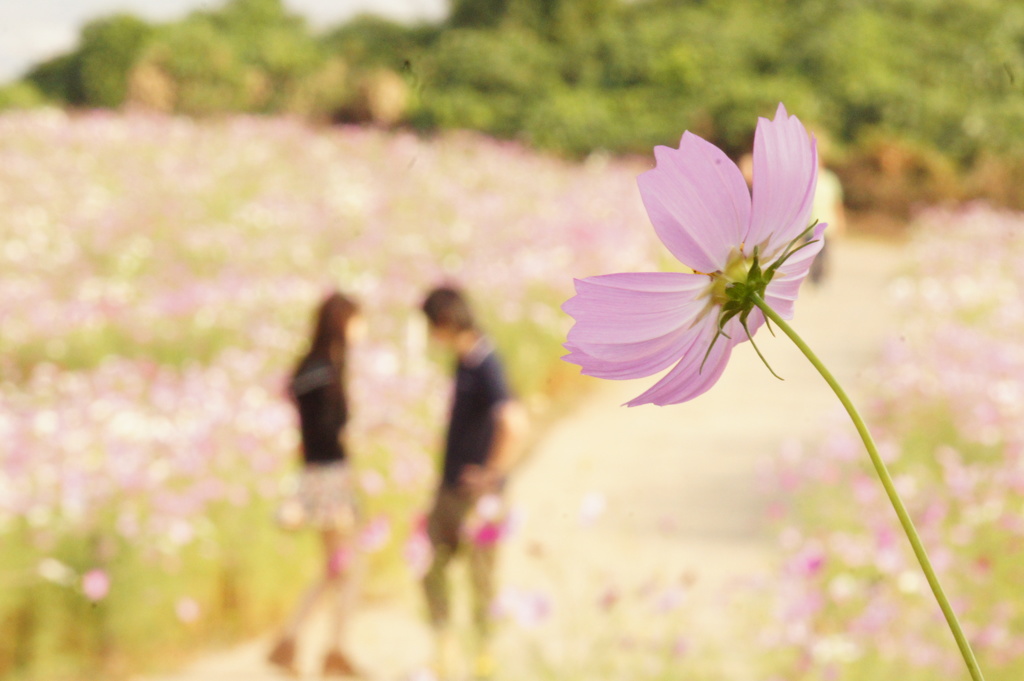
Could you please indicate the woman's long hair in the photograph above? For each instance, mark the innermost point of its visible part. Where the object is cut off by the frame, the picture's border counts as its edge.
(329, 339)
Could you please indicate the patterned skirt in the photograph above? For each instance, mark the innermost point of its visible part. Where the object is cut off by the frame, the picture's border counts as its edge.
(325, 499)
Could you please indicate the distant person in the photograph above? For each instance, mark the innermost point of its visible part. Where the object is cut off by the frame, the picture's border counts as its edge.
(326, 495)
(746, 166)
(828, 208)
(485, 430)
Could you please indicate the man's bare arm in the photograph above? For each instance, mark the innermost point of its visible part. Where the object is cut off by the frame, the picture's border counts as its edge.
(510, 427)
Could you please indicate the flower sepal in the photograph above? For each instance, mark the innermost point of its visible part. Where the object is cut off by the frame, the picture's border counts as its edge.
(741, 293)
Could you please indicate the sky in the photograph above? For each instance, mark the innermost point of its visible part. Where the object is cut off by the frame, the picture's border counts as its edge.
(34, 30)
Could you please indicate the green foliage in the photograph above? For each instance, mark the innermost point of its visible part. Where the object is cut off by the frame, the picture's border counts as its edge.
(478, 13)
(368, 41)
(95, 74)
(55, 632)
(207, 73)
(946, 75)
(573, 76)
(322, 94)
(23, 95)
(486, 79)
(577, 121)
(109, 49)
(57, 79)
(271, 42)
(508, 60)
(251, 55)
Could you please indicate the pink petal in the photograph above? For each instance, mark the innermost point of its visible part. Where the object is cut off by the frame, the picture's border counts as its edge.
(633, 325)
(694, 375)
(632, 360)
(96, 584)
(785, 173)
(697, 201)
(630, 308)
(782, 292)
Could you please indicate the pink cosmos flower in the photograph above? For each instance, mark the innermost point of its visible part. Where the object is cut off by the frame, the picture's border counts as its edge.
(95, 585)
(486, 525)
(339, 561)
(488, 534)
(528, 609)
(188, 610)
(637, 324)
(418, 551)
(372, 482)
(375, 535)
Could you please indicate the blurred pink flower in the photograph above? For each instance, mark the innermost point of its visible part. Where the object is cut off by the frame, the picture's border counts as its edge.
(375, 535)
(809, 561)
(406, 471)
(488, 534)
(372, 482)
(670, 599)
(527, 608)
(418, 551)
(592, 507)
(609, 598)
(187, 609)
(339, 561)
(634, 325)
(488, 523)
(95, 584)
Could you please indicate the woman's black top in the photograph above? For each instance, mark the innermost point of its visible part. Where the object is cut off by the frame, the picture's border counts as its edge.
(322, 411)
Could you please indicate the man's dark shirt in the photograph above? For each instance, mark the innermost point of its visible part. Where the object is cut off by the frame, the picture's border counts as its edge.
(322, 411)
(479, 387)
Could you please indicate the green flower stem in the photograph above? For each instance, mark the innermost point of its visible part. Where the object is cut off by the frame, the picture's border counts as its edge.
(890, 488)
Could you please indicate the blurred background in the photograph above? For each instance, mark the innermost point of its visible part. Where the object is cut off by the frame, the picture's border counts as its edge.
(180, 182)
(926, 93)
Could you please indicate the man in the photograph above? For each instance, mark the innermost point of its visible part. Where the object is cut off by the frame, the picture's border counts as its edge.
(485, 429)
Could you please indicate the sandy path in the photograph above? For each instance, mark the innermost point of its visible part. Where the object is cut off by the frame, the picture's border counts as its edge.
(681, 483)
(681, 487)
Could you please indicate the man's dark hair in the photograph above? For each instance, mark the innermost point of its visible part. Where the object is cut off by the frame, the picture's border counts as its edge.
(446, 307)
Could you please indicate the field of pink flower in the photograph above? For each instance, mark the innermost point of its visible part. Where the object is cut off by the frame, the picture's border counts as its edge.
(948, 415)
(156, 281)
(157, 277)
(849, 601)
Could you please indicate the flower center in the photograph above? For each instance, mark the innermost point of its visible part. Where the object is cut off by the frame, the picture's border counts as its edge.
(737, 271)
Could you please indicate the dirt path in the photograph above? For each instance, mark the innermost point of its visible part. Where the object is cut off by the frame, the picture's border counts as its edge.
(679, 493)
(615, 497)
(681, 483)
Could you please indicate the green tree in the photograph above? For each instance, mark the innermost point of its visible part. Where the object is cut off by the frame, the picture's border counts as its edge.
(921, 76)
(368, 41)
(58, 79)
(206, 72)
(20, 95)
(477, 13)
(486, 79)
(275, 42)
(108, 50)
(509, 60)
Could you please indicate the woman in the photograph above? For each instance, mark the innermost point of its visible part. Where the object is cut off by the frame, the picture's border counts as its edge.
(325, 487)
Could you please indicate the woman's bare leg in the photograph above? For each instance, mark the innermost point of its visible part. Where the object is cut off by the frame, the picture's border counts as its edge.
(304, 608)
(343, 570)
(323, 586)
